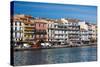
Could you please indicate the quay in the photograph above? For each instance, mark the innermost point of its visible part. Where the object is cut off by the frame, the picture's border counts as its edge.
(53, 47)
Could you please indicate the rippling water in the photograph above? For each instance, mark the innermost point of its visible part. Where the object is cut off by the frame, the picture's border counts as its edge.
(52, 56)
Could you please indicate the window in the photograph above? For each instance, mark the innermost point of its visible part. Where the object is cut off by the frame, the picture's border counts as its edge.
(44, 25)
(13, 28)
(54, 25)
(17, 28)
(50, 25)
(56, 36)
(13, 34)
(21, 28)
(26, 36)
(14, 24)
(60, 32)
(41, 35)
(31, 24)
(37, 36)
(18, 35)
(18, 23)
(63, 32)
(21, 34)
(39, 25)
(22, 23)
(30, 36)
(33, 36)
(56, 32)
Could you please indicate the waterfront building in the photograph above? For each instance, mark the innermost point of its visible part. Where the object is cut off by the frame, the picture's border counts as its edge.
(73, 31)
(34, 31)
(88, 32)
(17, 26)
(57, 32)
(84, 33)
(41, 28)
(92, 28)
(29, 30)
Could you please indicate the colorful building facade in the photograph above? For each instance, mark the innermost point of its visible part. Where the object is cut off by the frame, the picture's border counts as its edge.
(33, 31)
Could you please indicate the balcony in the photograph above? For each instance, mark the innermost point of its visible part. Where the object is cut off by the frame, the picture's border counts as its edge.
(29, 32)
(71, 36)
(60, 37)
(71, 28)
(74, 39)
(74, 33)
(41, 38)
(29, 29)
(21, 31)
(40, 32)
(61, 33)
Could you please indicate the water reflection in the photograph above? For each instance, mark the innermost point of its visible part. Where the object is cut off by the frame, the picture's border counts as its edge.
(60, 55)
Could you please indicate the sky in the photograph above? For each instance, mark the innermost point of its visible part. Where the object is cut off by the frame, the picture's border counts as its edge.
(56, 11)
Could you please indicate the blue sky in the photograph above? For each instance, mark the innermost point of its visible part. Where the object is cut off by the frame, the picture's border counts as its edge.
(56, 11)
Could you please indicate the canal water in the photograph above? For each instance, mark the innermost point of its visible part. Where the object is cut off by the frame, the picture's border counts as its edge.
(53, 56)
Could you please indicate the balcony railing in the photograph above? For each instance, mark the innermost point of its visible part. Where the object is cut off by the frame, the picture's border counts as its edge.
(74, 39)
(29, 32)
(40, 37)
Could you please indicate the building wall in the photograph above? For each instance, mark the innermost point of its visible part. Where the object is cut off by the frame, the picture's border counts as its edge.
(18, 31)
(41, 31)
(74, 32)
(84, 33)
(29, 30)
(92, 32)
(57, 32)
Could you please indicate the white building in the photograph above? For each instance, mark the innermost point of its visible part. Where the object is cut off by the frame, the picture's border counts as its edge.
(57, 32)
(84, 31)
(18, 31)
(73, 31)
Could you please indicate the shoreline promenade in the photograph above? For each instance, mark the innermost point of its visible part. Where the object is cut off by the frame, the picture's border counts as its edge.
(53, 47)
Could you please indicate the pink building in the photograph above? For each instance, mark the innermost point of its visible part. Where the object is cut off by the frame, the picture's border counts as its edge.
(41, 28)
